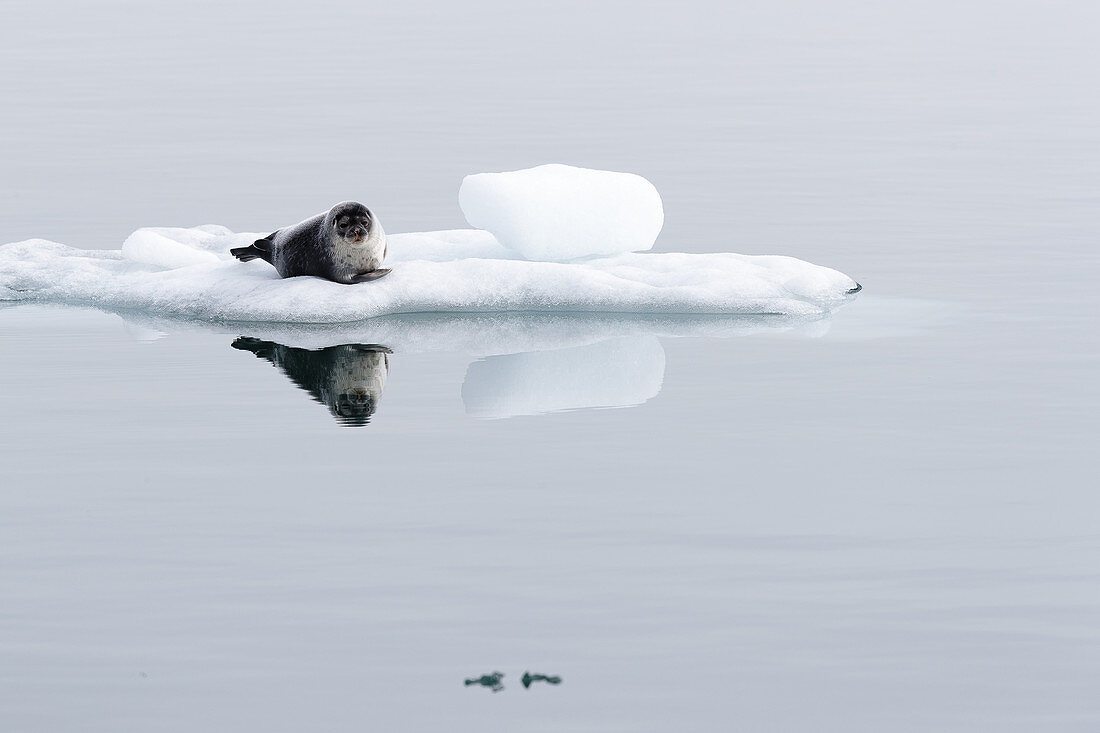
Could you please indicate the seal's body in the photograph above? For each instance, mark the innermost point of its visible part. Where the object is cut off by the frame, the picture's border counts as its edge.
(346, 245)
(348, 379)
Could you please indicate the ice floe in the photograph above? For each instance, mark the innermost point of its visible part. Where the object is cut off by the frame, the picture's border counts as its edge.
(189, 273)
(539, 216)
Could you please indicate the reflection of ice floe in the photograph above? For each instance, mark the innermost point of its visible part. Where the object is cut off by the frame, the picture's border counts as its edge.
(531, 363)
(142, 333)
(486, 334)
(620, 372)
(189, 273)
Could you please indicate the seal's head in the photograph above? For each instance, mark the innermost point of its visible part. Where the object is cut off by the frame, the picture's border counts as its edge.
(354, 407)
(351, 222)
(356, 379)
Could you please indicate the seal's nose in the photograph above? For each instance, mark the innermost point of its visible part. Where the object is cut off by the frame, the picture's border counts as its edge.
(357, 232)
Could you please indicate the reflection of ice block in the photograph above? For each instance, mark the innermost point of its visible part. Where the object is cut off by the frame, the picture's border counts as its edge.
(558, 212)
(615, 373)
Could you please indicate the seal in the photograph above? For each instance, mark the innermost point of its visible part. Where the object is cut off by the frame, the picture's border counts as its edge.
(347, 379)
(346, 245)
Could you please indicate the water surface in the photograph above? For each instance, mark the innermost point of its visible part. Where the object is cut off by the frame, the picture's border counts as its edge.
(884, 520)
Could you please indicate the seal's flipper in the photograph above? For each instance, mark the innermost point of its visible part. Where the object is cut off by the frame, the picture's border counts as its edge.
(258, 250)
(363, 277)
(247, 254)
(259, 347)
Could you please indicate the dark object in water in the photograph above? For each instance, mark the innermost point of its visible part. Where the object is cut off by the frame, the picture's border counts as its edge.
(528, 678)
(492, 681)
(348, 379)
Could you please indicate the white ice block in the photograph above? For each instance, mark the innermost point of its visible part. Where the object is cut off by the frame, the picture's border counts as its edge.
(558, 212)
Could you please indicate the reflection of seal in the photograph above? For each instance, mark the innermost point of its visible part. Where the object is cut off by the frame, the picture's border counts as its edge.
(346, 245)
(348, 379)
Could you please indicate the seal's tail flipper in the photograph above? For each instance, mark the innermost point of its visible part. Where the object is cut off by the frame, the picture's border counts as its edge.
(258, 250)
(246, 254)
(259, 347)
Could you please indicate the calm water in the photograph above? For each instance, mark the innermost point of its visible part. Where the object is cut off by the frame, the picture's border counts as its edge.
(882, 521)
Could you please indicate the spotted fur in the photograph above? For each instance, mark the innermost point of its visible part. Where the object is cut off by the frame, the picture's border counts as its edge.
(346, 245)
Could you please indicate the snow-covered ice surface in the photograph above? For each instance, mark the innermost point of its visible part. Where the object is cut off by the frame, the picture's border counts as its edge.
(189, 273)
(171, 248)
(561, 212)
